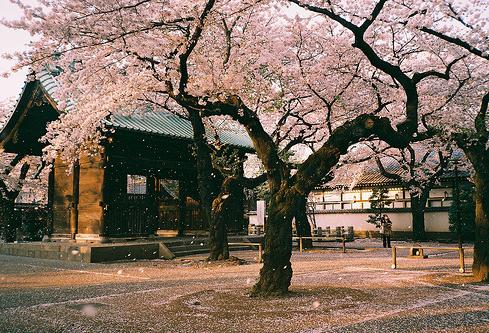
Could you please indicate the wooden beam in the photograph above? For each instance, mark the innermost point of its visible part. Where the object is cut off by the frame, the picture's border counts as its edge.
(76, 200)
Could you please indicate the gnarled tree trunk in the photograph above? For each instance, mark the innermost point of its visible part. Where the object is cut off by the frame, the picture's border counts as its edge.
(206, 179)
(276, 273)
(480, 266)
(225, 209)
(475, 148)
(418, 206)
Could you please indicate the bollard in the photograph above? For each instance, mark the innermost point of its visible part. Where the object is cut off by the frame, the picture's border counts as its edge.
(394, 263)
(462, 260)
(300, 244)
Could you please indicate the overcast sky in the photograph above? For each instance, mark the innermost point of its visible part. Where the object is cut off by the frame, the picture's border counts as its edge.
(11, 40)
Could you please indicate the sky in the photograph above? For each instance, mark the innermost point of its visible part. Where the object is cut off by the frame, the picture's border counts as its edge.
(11, 40)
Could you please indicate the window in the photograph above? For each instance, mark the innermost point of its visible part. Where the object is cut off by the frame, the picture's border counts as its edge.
(136, 184)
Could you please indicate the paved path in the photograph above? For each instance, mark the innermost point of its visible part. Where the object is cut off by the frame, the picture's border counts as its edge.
(331, 292)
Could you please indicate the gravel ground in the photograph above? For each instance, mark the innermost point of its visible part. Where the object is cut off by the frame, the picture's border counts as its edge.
(331, 291)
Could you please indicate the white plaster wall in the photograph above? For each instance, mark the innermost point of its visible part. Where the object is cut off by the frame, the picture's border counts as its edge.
(400, 221)
(436, 222)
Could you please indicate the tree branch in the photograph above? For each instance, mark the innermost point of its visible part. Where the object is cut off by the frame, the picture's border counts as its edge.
(386, 173)
(456, 41)
(480, 119)
(191, 45)
(368, 22)
(409, 126)
(417, 77)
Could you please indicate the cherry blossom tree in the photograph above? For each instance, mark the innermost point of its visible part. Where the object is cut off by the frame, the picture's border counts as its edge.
(240, 59)
(464, 117)
(176, 26)
(453, 28)
(418, 168)
(14, 171)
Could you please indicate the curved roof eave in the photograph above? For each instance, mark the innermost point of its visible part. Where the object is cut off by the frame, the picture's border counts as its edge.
(28, 91)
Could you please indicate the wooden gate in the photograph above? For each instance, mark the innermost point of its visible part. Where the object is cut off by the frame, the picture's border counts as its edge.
(131, 215)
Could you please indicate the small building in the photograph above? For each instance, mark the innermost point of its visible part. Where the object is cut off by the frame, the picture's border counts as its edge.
(142, 181)
(340, 206)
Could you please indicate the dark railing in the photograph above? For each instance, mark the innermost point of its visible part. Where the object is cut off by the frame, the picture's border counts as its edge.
(132, 215)
(26, 222)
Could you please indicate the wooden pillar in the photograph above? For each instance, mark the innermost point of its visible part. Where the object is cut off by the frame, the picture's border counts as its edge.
(182, 207)
(76, 200)
(90, 178)
(152, 216)
(62, 200)
(49, 223)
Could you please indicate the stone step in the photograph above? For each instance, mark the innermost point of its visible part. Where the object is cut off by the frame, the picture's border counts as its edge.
(104, 252)
(182, 252)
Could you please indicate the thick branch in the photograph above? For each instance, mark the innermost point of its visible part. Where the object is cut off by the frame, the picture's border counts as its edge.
(417, 77)
(320, 163)
(456, 41)
(234, 107)
(409, 126)
(368, 22)
(480, 119)
(386, 173)
(191, 45)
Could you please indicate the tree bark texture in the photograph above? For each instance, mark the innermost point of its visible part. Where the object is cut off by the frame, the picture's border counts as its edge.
(206, 178)
(418, 206)
(276, 273)
(475, 148)
(288, 195)
(302, 223)
(226, 208)
(480, 266)
(479, 157)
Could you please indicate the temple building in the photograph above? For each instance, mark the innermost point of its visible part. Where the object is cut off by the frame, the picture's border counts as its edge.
(332, 206)
(142, 182)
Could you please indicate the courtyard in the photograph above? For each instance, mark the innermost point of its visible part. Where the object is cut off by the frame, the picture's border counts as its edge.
(331, 291)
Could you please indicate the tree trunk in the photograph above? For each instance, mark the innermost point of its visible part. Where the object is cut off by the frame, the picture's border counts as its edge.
(225, 209)
(218, 233)
(479, 158)
(418, 205)
(302, 223)
(206, 178)
(276, 273)
(480, 266)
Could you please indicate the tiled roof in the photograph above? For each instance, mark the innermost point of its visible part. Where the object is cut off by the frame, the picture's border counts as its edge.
(168, 124)
(372, 176)
(158, 123)
(50, 85)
